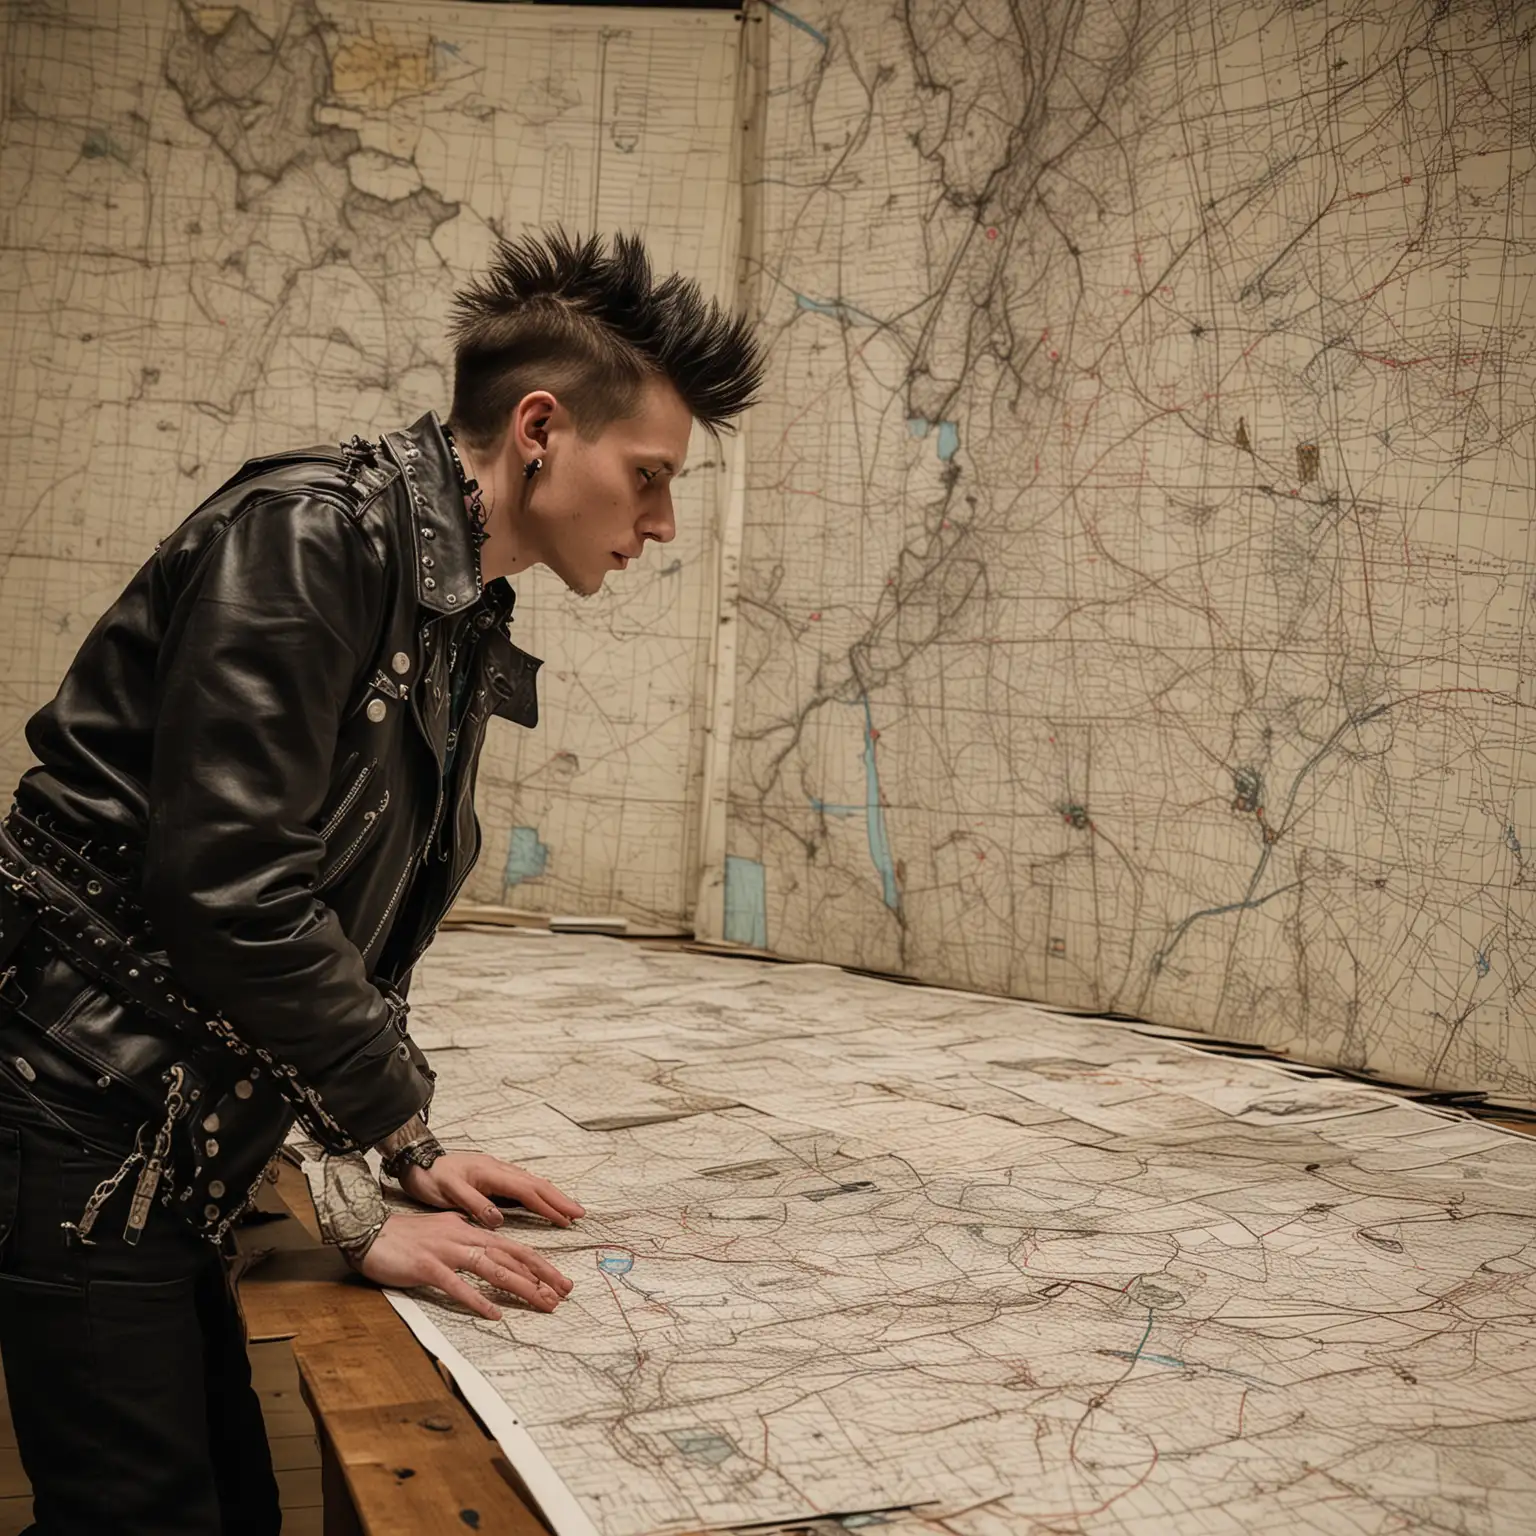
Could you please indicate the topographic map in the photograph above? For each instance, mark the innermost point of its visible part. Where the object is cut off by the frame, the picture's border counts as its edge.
(932, 1262)
(234, 229)
(1138, 595)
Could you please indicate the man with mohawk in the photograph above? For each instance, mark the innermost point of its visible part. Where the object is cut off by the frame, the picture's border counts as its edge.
(252, 807)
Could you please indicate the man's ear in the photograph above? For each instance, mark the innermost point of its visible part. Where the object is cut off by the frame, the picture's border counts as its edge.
(530, 423)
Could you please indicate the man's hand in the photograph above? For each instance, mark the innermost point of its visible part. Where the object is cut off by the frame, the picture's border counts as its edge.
(430, 1248)
(465, 1181)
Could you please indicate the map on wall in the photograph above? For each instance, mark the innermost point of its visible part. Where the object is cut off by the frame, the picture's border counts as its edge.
(1139, 589)
(232, 229)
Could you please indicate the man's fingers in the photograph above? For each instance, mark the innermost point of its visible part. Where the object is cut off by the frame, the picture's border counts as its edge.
(502, 1179)
(561, 1201)
(505, 1251)
(541, 1207)
(524, 1286)
(467, 1198)
(461, 1291)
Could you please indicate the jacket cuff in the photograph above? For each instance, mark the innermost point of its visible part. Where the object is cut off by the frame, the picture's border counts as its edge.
(349, 1205)
(378, 1088)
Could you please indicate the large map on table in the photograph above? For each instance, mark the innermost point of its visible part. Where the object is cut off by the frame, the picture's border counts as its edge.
(930, 1261)
(1138, 602)
(232, 229)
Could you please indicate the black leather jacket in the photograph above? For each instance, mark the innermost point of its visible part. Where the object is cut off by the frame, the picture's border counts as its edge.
(260, 727)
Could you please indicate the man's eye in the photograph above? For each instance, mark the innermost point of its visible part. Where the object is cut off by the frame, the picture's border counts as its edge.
(649, 474)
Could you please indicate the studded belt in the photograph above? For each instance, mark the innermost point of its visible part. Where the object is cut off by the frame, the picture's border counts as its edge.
(227, 1104)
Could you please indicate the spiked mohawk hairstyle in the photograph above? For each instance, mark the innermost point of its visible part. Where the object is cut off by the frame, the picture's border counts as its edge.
(591, 325)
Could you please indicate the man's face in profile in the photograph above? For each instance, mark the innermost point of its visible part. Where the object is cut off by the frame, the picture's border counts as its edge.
(597, 501)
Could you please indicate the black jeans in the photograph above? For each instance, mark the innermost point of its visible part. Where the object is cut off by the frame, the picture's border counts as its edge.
(126, 1367)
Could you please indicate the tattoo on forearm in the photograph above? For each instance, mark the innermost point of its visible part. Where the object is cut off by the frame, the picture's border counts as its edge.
(351, 1207)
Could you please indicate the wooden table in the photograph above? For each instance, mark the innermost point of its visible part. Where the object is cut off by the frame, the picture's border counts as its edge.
(401, 1455)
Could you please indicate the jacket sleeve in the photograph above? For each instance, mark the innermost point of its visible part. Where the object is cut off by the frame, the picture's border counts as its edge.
(262, 651)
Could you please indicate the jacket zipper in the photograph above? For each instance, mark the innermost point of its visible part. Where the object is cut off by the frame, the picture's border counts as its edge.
(407, 872)
(338, 865)
(336, 817)
(459, 884)
(409, 869)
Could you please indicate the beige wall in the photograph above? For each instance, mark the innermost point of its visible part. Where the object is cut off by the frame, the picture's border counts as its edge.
(184, 284)
(1128, 583)
(1188, 673)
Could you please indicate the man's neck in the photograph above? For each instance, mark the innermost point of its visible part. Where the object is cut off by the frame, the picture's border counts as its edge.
(508, 549)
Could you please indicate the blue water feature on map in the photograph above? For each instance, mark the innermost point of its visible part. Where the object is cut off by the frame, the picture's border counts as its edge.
(746, 902)
(826, 808)
(616, 1263)
(527, 857)
(874, 817)
(879, 842)
(795, 21)
(1482, 963)
(948, 444)
(1145, 1358)
(835, 309)
(1512, 841)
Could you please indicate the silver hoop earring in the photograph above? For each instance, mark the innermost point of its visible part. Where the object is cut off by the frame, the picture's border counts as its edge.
(532, 467)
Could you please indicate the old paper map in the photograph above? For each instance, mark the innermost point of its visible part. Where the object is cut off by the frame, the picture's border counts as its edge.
(230, 229)
(928, 1261)
(1138, 599)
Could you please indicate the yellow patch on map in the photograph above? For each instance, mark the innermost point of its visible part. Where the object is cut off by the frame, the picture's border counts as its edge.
(376, 71)
(212, 19)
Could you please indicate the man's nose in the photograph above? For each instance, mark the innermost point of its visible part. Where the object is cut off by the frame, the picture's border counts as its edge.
(659, 523)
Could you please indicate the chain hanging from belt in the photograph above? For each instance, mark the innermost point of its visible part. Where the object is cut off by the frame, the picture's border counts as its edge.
(153, 1165)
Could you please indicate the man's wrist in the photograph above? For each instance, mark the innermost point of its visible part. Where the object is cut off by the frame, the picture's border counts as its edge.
(350, 1205)
(420, 1154)
(412, 1146)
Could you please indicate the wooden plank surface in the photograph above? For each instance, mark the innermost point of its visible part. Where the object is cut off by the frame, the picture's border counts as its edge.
(396, 1444)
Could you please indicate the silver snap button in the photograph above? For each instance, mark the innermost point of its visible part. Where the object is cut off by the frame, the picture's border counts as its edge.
(216, 1188)
(403, 1052)
(376, 710)
(428, 561)
(210, 1123)
(103, 1081)
(429, 584)
(210, 1213)
(24, 1067)
(211, 1149)
(400, 662)
(453, 597)
(93, 887)
(244, 1089)
(428, 534)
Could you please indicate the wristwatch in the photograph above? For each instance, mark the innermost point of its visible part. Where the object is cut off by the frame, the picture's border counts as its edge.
(412, 1146)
